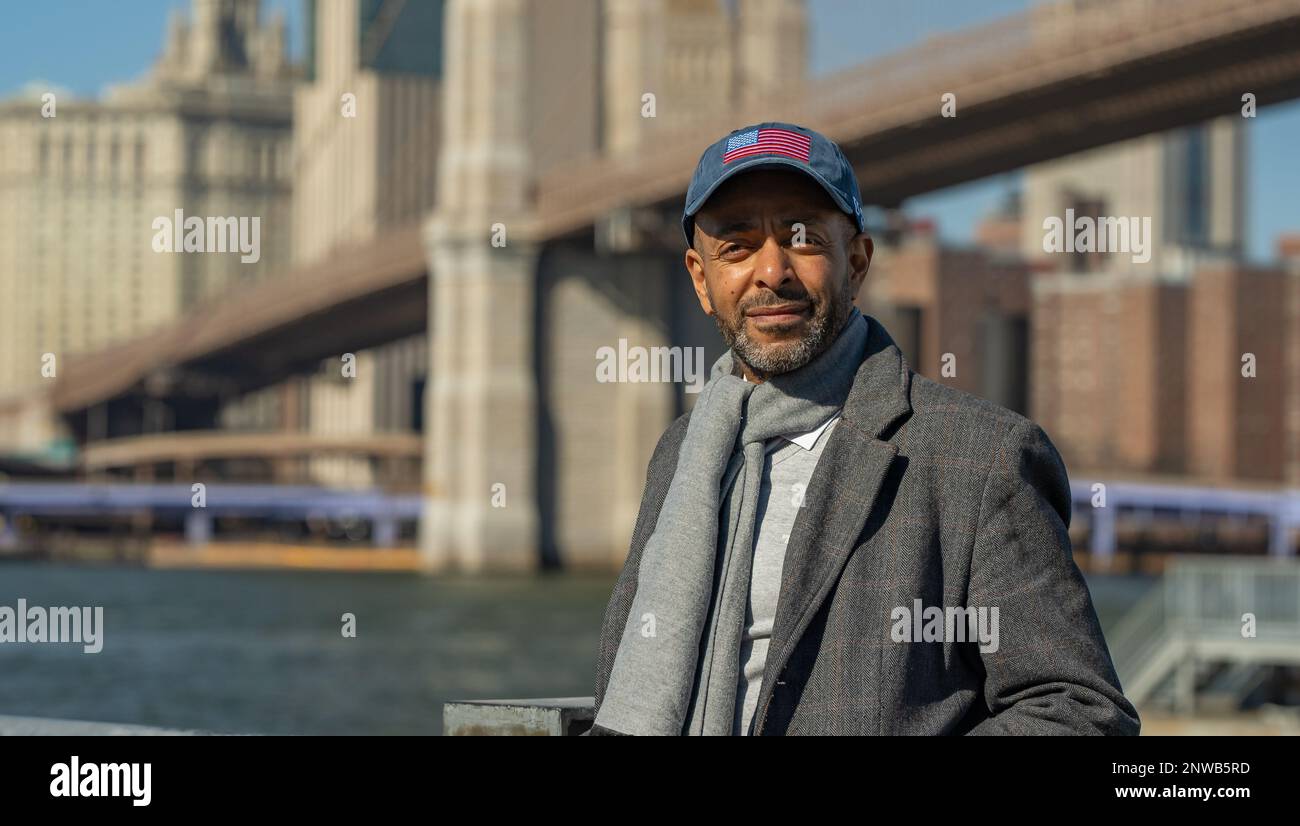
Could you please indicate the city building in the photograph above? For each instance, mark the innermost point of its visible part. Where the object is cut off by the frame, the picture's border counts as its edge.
(84, 182)
(1187, 184)
(960, 314)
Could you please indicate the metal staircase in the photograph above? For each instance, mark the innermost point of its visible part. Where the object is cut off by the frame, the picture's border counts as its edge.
(1186, 639)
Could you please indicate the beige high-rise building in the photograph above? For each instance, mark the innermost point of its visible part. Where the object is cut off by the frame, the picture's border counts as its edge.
(1189, 183)
(366, 122)
(82, 182)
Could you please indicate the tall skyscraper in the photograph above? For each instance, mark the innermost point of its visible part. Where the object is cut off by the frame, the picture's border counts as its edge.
(1189, 182)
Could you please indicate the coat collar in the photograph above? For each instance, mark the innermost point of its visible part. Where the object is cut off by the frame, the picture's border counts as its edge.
(882, 387)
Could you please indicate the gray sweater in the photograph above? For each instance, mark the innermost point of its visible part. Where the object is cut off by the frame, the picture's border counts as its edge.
(787, 468)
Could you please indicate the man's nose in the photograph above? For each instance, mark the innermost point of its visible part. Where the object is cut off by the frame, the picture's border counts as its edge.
(772, 264)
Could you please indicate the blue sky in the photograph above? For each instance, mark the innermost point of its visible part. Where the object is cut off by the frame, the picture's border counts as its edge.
(83, 45)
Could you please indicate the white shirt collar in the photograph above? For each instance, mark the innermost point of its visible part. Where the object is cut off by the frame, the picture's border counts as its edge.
(809, 439)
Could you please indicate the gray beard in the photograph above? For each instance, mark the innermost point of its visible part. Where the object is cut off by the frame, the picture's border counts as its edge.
(772, 360)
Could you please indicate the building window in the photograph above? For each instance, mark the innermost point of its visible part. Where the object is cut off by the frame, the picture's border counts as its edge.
(1004, 345)
(1093, 208)
(906, 332)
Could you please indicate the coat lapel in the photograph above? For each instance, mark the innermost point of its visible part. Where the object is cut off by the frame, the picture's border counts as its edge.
(839, 499)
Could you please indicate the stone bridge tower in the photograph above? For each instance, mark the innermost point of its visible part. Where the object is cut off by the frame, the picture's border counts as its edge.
(528, 87)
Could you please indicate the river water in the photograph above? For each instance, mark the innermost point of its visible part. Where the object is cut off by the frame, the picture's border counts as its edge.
(263, 651)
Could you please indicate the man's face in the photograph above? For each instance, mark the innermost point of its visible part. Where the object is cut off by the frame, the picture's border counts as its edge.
(778, 303)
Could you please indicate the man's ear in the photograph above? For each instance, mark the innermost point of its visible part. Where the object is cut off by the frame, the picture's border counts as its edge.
(695, 266)
(861, 248)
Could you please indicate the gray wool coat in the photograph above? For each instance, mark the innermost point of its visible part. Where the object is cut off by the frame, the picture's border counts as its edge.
(923, 492)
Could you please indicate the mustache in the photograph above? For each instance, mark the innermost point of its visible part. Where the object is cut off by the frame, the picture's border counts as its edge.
(773, 299)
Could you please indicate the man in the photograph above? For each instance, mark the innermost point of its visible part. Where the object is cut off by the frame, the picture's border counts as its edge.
(830, 543)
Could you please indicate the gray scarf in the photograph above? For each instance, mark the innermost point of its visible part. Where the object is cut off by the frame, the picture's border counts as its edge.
(653, 686)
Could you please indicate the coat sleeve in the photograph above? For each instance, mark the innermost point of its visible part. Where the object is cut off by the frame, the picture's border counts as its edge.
(1052, 672)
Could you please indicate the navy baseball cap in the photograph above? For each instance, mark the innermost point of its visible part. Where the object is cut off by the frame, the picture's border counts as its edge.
(773, 144)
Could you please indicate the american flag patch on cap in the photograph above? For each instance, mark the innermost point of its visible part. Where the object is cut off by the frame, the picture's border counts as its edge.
(767, 141)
